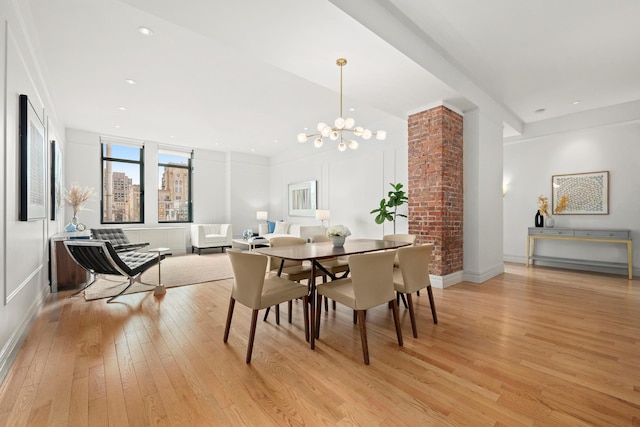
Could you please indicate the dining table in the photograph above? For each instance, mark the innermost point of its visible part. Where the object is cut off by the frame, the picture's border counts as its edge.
(316, 252)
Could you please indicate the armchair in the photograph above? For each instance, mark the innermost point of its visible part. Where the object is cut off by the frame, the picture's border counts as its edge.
(100, 257)
(117, 238)
(211, 236)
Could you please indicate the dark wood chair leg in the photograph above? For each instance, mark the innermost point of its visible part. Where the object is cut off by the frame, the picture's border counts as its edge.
(363, 336)
(418, 293)
(334, 304)
(277, 314)
(412, 315)
(318, 310)
(355, 317)
(433, 305)
(404, 301)
(396, 319)
(305, 299)
(266, 314)
(290, 307)
(252, 334)
(232, 304)
(326, 305)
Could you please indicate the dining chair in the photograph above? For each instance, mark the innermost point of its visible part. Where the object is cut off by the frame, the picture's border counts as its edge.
(407, 238)
(370, 285)
(334, 266)
(252, 288)
(291, 269)
(412, 276)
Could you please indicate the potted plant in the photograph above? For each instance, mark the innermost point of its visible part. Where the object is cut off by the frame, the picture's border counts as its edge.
(388, 210)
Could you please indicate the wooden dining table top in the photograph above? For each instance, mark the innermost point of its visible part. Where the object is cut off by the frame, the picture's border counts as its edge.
(319, 251)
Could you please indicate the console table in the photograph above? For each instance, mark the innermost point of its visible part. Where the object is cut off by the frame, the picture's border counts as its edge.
(584, 235)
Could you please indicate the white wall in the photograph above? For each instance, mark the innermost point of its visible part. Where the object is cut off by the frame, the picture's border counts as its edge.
(24, 248)
(563, 149)
(227, 187)
(483, 251)
(350, 184)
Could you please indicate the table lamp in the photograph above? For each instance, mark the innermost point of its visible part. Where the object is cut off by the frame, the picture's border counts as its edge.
(262, 215)
(322, 215)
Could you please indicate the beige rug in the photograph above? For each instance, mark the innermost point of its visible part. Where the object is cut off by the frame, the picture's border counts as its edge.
(176, 271)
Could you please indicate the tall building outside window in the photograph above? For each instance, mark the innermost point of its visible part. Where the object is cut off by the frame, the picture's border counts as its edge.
(174, 186)
(122, 183)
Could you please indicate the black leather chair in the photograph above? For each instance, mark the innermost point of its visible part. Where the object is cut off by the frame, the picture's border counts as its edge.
(100, 257)
(117, 238)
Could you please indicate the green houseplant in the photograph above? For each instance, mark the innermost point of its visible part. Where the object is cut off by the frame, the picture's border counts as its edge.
(388, 210)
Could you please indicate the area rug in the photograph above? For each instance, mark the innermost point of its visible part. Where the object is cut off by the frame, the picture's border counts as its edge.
(176, 271)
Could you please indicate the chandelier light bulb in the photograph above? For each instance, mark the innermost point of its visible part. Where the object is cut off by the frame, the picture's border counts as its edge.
(342, 146)
(349, 123)
(358, 131)
(334, 135)
(326, 131)
(366, 134)
(353, 144)
(381, 135)
(302, 138)
(321, 126)
(339, 123)
(317, 143)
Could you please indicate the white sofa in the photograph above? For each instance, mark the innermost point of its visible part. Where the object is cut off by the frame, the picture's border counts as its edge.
(211, 236)
(282, 229)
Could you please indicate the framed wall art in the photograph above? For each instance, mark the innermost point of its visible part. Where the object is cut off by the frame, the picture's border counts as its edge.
(302, 199)
(56, 179)
(585, 193)
(33, 163)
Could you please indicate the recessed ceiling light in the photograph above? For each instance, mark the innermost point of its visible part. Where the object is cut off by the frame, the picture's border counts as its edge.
(540, 110)
(172, 136)
(131, 81)
(352, 109)
(275, 140)
(122, 108)
(306, 128)
(117, 126)
(576, 102)
(253, 149)
(145, 31)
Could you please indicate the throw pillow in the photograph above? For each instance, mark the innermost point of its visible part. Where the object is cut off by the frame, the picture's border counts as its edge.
(271, 225)
(281, 228)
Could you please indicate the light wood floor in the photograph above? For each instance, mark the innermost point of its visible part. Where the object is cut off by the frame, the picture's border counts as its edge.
(531, 347)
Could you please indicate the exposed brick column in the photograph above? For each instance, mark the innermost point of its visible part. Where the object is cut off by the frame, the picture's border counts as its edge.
(435, 185)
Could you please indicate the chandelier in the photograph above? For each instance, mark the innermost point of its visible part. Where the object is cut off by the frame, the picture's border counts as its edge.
(340, 127)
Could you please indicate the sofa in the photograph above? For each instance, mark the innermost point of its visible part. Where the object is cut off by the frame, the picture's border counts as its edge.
(286, 229)
(211, 236)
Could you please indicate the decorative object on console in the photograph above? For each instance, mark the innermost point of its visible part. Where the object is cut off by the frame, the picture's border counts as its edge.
(247, 233)
(338, 234)
(539, 219)
(302, 199)
(587, 193)
(323, 215)
(341, 125)
(397, 197)
(77, 197)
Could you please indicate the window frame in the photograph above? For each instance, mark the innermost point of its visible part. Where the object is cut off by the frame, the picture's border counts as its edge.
(189, 170)
(139, 162)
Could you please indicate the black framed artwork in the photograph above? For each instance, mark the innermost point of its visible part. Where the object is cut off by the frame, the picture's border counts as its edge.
(56, 179)
(33, 163)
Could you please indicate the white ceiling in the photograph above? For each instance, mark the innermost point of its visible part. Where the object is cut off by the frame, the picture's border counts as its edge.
(241, 75)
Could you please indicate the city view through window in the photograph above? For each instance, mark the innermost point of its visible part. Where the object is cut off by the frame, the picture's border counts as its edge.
(174, 190)
(122, 186)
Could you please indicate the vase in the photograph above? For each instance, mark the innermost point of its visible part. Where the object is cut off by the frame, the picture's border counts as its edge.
(338, 241)
(74, 220)
(539, 220)
(550, 222)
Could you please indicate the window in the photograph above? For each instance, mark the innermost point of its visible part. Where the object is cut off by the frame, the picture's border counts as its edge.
(174, 186)
(122, 183)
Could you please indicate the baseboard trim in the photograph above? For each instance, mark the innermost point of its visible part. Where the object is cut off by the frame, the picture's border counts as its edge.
(443, 282)
(12, 347)
(481, 277)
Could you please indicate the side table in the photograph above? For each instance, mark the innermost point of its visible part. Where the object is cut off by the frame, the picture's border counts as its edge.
(160, 289)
